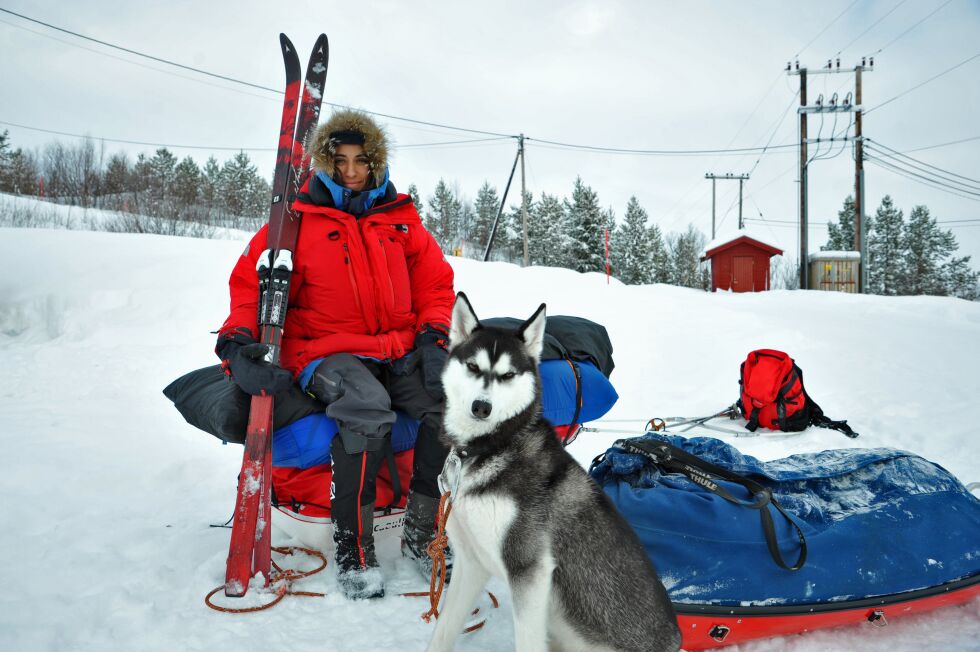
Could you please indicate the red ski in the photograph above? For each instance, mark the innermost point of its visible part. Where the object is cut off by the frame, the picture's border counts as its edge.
(250, 549)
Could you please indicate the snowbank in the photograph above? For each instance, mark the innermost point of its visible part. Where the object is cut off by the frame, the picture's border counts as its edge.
(107, 493)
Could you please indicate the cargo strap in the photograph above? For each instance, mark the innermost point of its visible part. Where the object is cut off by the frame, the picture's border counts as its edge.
(674, 459)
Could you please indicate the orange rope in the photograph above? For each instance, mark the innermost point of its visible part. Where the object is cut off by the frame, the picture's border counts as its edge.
(286, 576)
(437, 551)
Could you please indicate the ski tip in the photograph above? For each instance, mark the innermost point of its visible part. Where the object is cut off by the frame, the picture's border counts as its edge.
(284, 41)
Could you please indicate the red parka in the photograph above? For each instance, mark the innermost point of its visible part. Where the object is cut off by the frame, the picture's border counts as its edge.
(364, 286)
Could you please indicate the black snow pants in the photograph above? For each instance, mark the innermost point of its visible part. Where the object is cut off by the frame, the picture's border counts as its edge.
(361, 395)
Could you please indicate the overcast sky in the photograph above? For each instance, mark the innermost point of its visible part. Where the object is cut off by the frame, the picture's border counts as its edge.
(638, 75)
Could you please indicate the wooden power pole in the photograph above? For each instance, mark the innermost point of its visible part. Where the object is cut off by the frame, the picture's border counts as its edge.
(860, 243)
(714, 177)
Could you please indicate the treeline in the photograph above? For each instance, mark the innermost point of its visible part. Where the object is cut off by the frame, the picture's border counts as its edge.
(565, 232)
(907, 257)
(160, 186)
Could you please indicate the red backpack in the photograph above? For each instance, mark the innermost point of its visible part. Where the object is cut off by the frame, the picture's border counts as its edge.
(773, 396)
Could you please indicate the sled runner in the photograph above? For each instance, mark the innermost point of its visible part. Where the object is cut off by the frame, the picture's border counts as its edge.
(856, 535)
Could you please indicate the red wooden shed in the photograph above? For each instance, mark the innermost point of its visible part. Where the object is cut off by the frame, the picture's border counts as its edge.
(740, 264)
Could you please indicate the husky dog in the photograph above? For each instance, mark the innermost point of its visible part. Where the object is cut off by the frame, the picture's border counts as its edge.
(525, 511)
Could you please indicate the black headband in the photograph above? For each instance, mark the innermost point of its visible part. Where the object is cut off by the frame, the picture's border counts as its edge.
(347, 137)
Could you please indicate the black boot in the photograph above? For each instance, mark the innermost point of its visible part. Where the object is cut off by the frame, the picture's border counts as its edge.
(358, 571)
(420, 529)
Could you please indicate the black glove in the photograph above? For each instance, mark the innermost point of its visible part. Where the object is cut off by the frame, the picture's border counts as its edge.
(430, 347)
(243, 357)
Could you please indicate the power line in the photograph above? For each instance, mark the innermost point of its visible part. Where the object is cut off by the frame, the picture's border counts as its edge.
(446, 143)
(826, 27)
(235, 80)
(930, 15)
(876, 144)
(873, 25)
(654, 152)
(952, 142)
(931, 177)
(929, 174)
(921, 84)
(937, 185)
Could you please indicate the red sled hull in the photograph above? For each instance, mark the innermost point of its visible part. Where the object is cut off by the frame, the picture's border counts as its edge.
(704, 627)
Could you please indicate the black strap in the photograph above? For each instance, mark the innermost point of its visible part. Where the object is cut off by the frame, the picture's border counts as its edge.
(702, 472)
(578, 389)
(820, 420)
(753, 423)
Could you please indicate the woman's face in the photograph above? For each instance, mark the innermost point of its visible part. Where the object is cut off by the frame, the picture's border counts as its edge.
(351, 165)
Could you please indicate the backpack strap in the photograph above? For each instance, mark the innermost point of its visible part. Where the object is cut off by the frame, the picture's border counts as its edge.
(820, 420)
(702, 472)
(791, 379)
(578, 389)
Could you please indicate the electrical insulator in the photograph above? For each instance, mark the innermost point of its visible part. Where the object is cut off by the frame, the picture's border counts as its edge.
(862, 62)
(833, 100)
(838, 62)
(872, 62)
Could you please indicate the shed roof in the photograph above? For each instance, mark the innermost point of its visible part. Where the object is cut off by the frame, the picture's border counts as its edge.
(715, 246)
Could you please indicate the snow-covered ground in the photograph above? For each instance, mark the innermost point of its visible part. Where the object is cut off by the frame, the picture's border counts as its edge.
(107, 494)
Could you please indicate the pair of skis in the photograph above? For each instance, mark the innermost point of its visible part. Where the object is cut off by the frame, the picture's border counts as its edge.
(250, 551)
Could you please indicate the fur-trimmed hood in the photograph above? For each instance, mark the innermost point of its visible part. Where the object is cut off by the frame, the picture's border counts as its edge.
(322, 148)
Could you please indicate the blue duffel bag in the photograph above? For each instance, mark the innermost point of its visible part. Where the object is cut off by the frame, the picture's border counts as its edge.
(724, 528)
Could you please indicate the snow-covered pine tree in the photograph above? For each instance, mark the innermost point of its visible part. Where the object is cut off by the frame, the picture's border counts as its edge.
(686, 251)
(163, 172)
(443, 215)
(464, 226)
(633, 253)
(413, 192)
(841, 234)
(484, 213)
(18, 168)
(659, 257)
(23, 174)
(6, 155)
(586, 229)
(187, 186)
(546, 232)
(960, 280)
(242, 191)
(115, 180)
(210, 186)
(514, 229)
(927, 247)
(886, 250)
(930, 267)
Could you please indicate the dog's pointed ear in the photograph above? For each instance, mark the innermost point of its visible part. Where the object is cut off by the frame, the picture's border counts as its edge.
(464, 323)
(532, 333)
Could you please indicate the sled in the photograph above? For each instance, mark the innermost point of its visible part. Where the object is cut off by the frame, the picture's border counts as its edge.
(705, 626)
(853, 536)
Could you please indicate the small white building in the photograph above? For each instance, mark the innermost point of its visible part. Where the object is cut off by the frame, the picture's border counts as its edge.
(837, 271)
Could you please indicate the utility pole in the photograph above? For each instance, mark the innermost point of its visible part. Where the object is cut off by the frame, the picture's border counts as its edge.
(729, 176)
(804, 244)
(503, 200)
(832, 107)
(520, 148)
(859, 222)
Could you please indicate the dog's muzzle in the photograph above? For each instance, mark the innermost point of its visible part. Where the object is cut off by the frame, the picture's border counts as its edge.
(481, 409)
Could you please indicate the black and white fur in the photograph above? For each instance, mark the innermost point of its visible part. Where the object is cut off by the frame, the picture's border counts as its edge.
(525, 511)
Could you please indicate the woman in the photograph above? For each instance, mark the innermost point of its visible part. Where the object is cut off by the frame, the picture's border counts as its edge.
(369, 307)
